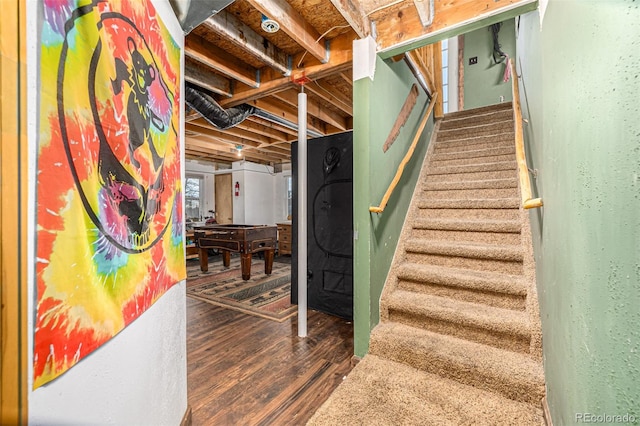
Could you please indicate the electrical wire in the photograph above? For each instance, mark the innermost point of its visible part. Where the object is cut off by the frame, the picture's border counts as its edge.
(378, 9)
(495, 29)
(320, 38)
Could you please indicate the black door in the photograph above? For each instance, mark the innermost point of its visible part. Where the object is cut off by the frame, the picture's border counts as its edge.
(329, 224)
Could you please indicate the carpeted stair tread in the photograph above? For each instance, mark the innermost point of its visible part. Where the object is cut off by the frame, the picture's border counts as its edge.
(471, 184)
(471, 203)
(463, 278)
(485, 193)
(490, 116)
(469, 168)
(475, 142)
(489, 129)
(387, 393)
(476, 251)
(431, 312)
(436, 162)
(514, 375)
(478, 111)
(475, 153)
(507, 226)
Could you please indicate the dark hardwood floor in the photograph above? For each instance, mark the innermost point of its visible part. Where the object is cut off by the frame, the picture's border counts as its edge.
(245, 370)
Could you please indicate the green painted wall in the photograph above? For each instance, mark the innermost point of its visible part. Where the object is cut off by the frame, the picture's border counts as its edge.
(376, 107)
(483, 84)
(581, 94)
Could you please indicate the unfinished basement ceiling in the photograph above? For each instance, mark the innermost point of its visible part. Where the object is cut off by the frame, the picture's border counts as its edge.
(233, 61)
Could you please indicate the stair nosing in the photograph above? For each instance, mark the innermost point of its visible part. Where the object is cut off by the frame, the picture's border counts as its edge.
(463, 278)
(466, 314)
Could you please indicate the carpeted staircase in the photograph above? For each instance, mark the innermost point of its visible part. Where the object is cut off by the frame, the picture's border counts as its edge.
(459, 338)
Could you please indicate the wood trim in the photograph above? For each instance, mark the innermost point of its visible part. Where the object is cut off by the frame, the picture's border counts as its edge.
(461, 72)
(438, 111)
(187, 418)
(546, 413)
(407, 157)
(13, 213)
(523, 170)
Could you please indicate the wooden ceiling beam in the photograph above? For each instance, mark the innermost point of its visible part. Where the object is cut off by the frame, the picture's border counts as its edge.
(238, 33)
(219, 135)
(264, 122)
(288, 113)
(313, 108)
(268, 131)
(215, 58)
(402, 30)
(353, 13)
(294, 25)
(247, 134)
(229, 153)
(331, 95)
(340, 60)
(347, 78)
(198, 75)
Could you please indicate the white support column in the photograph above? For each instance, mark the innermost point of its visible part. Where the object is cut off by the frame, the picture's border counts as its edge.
(302, 213)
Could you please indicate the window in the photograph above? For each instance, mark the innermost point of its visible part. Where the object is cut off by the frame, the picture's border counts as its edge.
(445, 75)
(192, 198)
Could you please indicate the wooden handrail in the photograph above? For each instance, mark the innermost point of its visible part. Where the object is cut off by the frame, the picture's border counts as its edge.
(405, 160)
(523, 170)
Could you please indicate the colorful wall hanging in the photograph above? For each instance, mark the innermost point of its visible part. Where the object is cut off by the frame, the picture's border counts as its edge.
(109, 196)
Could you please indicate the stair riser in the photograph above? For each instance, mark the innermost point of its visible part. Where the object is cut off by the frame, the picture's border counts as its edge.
(475, 131)
(472, 143)
(504, 106)
(452, 123)
(496, 339)
(498, 300)
(478, 184)
(475, 153)
(474, 214)
(473, 168)
(465, 236)
(457, 194)
(476, 160)
(503, 267)
(511, 388)
(499, 174)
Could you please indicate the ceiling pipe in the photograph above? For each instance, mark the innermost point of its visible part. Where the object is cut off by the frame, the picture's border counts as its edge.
(212, 111)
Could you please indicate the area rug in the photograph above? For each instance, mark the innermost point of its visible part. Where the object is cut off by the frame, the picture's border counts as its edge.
(265, 296)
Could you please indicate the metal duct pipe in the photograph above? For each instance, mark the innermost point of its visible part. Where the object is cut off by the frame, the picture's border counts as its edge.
(213, 112)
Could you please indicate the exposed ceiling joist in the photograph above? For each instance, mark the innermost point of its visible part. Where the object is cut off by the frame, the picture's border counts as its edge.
(331, 95)
(233, 30)
(288, 113)
(294, 25)
(199, 75)
(268, 131)
(313, 108)
(353, 13)
(215, 58)
(340, 60)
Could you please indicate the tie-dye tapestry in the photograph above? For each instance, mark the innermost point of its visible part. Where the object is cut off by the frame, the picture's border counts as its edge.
(109, 203)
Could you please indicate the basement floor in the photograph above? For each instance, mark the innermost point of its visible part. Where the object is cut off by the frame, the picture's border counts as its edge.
(245, 370)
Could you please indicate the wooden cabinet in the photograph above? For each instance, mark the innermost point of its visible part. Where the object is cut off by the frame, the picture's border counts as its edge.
(284, 238)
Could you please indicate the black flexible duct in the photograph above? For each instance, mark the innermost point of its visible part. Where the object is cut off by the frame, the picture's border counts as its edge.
(213, 112)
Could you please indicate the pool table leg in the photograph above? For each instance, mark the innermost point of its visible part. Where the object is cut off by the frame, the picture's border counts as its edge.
(226, 258)
(204, 260)
(268, 261)
(245, 263)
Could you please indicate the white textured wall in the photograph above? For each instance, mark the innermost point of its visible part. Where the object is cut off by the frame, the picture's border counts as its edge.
(206, 170)
(139, 377)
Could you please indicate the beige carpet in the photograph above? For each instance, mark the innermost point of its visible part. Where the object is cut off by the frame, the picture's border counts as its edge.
(459, 338)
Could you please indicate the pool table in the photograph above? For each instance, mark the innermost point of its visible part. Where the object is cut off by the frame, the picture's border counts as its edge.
(243, 239)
